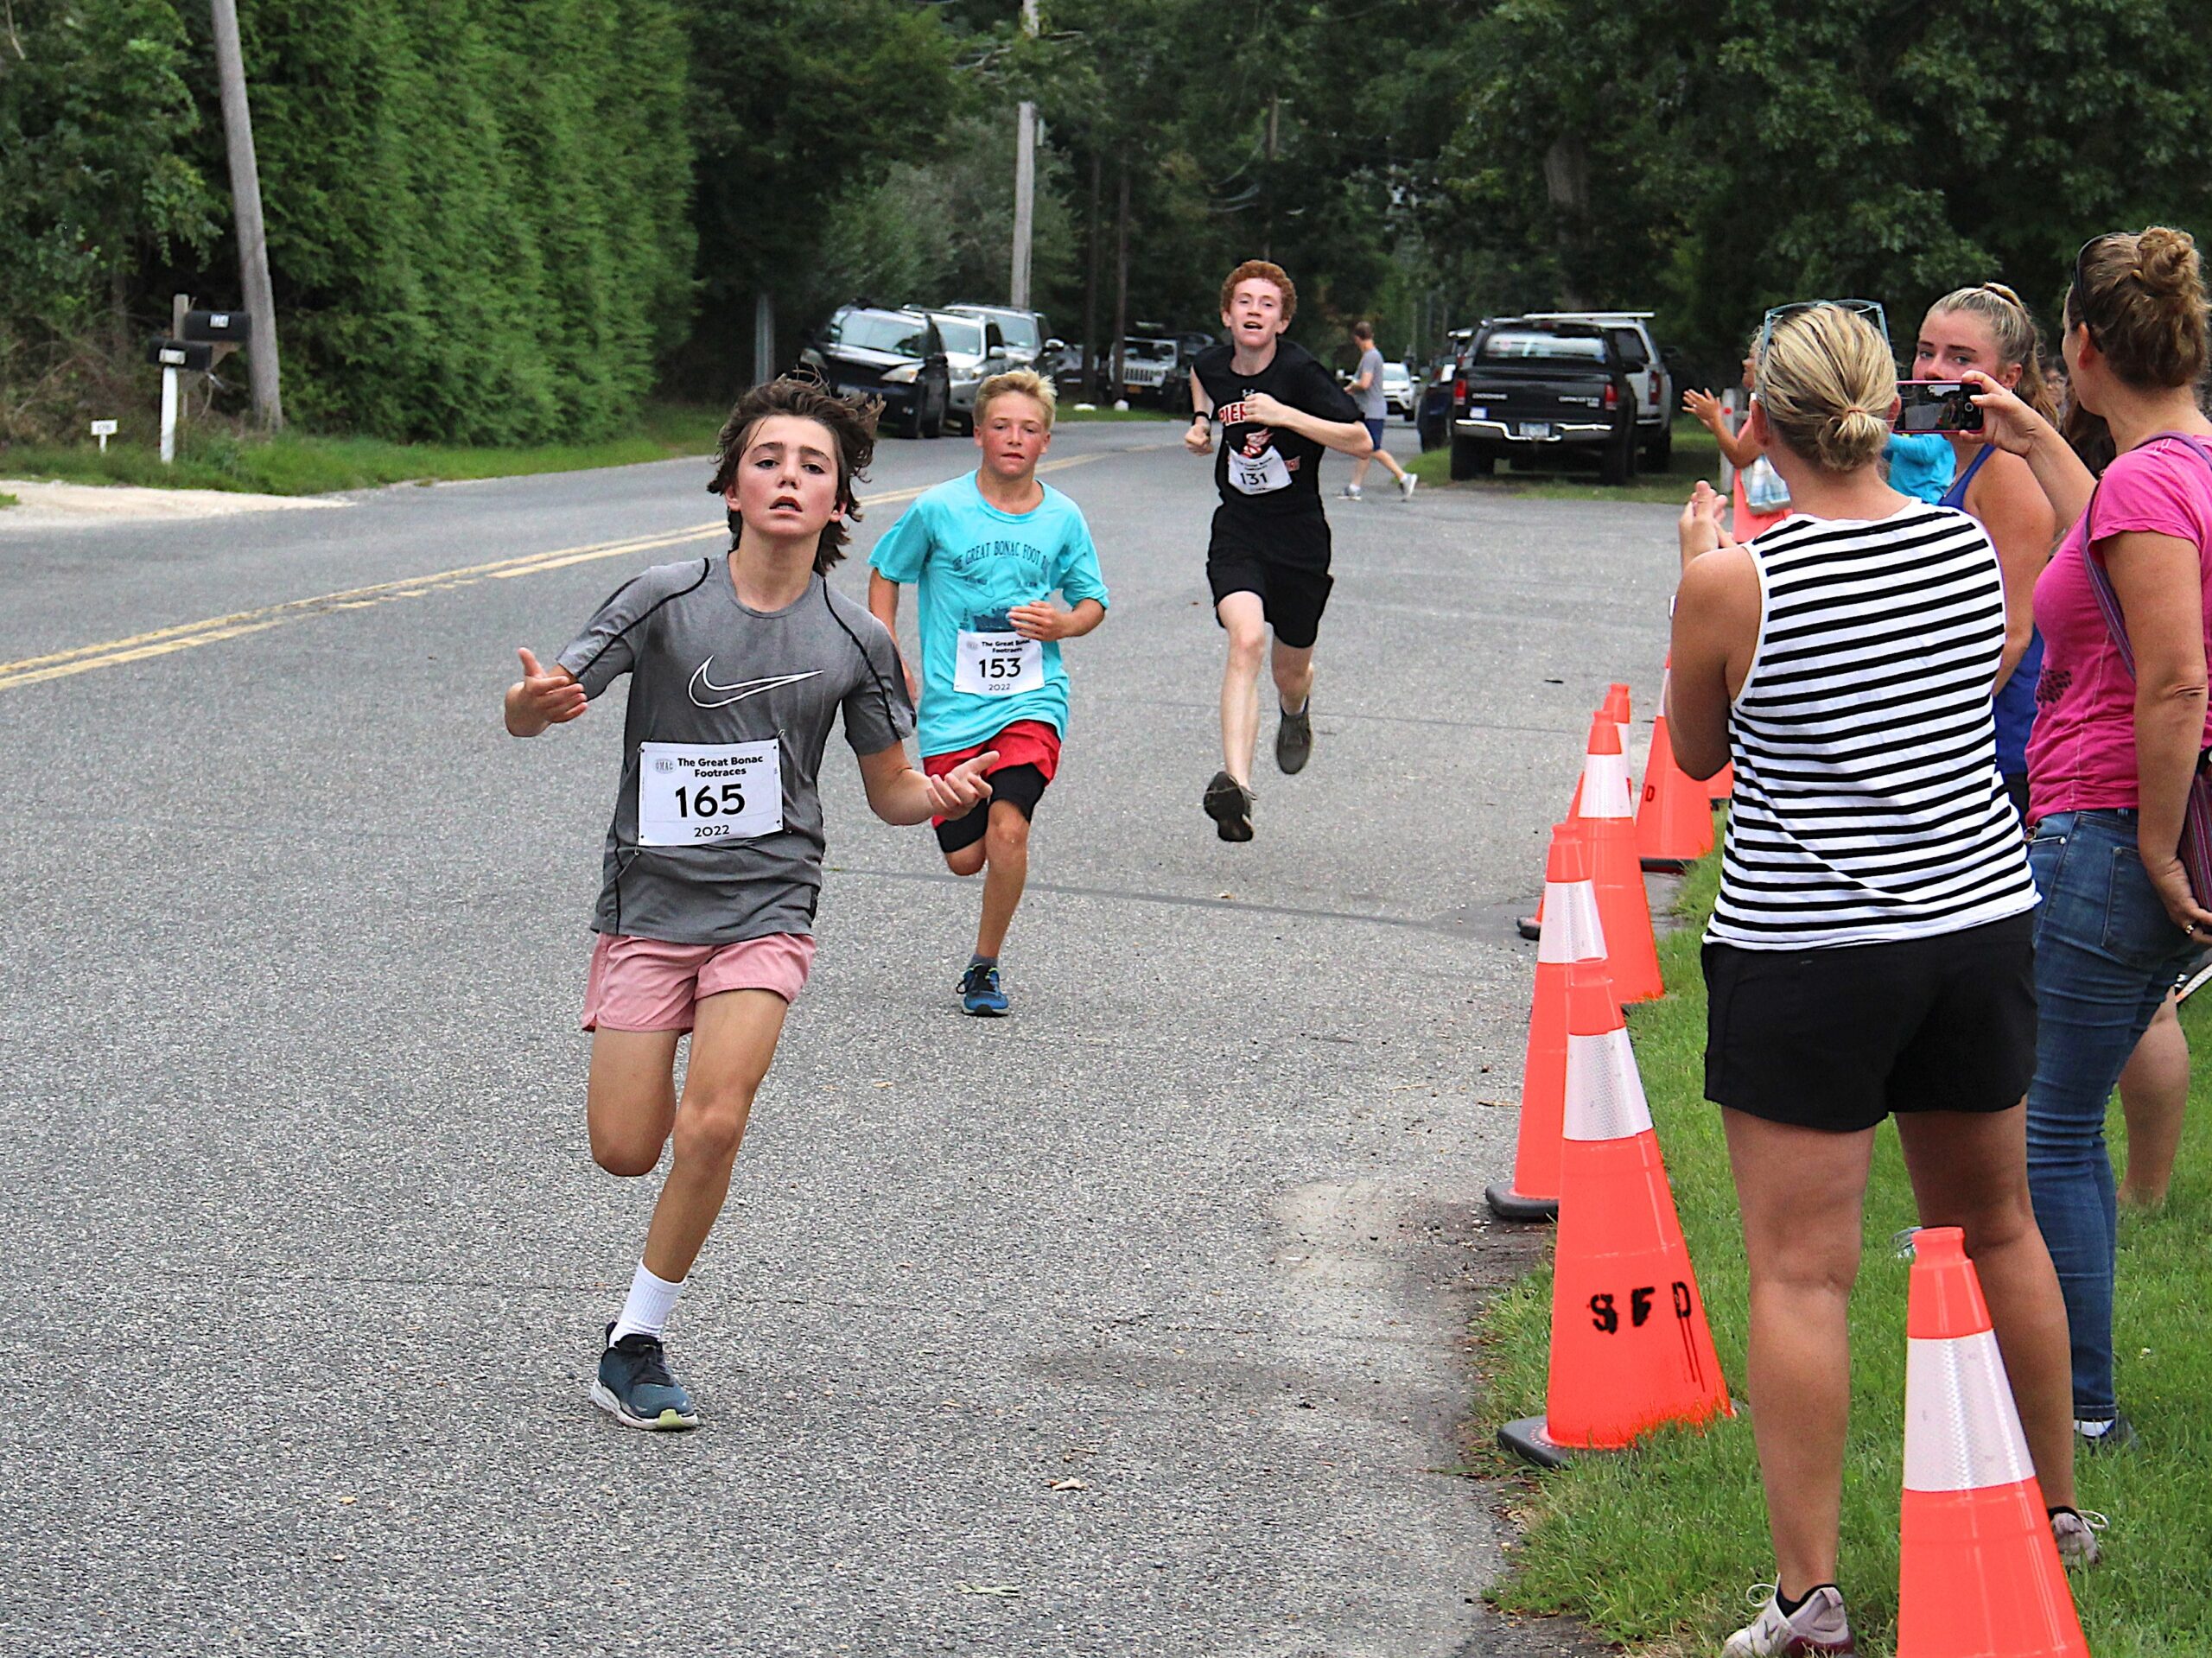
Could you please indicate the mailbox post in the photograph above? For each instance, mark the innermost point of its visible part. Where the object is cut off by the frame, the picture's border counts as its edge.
(196, 340)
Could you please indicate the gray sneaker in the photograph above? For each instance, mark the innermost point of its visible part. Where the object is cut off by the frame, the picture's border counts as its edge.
(1816, 1629)
(1406, 486)
(2076, 1533)
(1294, 739)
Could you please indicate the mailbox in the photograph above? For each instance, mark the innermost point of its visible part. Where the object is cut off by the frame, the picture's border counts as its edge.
(179, 354)
(218, 327)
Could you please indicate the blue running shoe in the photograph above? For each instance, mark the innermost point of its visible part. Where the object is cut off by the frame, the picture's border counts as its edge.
(635, 1389)
(979, 992)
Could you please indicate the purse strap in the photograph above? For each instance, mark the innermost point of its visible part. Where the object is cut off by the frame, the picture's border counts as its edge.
(2100, 579)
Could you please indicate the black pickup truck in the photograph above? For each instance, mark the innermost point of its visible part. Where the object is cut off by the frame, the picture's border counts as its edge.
(1537, 387)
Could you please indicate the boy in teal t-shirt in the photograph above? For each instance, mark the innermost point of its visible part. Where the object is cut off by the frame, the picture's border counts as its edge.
(987, 551)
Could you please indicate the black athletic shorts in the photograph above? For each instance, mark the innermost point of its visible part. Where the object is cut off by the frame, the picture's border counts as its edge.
(1839, 1038)
(1018, 785)
(1285, 560)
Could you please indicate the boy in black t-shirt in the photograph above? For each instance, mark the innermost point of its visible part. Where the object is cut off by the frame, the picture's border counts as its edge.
(1267, 561)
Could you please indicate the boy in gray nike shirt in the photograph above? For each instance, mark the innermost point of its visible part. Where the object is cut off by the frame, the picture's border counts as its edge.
(740, 664)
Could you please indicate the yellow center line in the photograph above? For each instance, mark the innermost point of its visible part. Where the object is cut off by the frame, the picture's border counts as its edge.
(186, 636)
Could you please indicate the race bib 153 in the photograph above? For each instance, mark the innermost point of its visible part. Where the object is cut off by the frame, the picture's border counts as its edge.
(997, 665)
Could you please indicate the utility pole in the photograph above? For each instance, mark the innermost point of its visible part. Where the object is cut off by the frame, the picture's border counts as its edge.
(245, 206)
(1025, 180)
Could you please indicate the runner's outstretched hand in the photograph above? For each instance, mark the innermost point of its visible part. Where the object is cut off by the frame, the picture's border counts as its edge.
(963, 788)
(543, 697)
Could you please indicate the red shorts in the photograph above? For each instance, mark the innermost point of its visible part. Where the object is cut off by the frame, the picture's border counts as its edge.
(649, 984)
(1025, 742)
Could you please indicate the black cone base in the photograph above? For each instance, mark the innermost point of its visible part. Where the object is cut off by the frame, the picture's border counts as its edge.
(1509, 1205)
(1527, 1439)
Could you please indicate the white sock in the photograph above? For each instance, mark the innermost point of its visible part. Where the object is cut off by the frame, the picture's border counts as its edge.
(651, 1299)
(2091, 1430)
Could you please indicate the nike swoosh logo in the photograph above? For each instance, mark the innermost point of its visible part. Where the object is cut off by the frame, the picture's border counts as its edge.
(727, 695)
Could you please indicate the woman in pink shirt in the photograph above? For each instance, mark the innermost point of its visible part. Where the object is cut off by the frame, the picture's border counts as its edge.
(2117, 744)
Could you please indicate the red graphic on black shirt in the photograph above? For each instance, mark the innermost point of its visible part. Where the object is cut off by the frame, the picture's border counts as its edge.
(1257, 443)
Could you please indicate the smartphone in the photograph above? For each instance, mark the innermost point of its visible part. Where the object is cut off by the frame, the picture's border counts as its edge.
(1937, 406)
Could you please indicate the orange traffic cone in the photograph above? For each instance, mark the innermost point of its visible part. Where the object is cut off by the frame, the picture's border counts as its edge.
(1674, 827)
(1630, 1347)
(1979, 1576)
(1631, 951)
(1615, 708)
(1721, 786)
(1572, 933)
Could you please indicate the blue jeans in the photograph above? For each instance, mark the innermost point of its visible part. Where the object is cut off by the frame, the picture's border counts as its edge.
(2105, 954)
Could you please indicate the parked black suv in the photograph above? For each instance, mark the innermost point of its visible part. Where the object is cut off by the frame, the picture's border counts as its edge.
(1538, 386)
(887, 353)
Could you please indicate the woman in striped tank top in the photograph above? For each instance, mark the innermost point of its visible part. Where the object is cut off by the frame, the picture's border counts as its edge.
(1869, 954)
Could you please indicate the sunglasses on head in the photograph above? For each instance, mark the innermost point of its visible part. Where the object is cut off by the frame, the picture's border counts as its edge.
(2077, 297)
(1871, 309)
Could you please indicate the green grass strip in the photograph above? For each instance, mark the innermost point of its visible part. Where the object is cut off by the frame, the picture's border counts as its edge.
(300, 464)
(1694, 455)
(1655, 1546)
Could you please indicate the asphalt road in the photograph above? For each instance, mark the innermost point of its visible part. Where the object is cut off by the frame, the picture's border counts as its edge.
(306, 1258)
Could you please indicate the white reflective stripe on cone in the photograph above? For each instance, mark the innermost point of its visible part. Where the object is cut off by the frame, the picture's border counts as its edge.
(1962, 1431)
(1605, 786)
(1571, 932)
(1605, 1095)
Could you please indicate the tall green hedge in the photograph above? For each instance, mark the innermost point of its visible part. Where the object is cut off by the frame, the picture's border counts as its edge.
(479, 211)
(478, 214)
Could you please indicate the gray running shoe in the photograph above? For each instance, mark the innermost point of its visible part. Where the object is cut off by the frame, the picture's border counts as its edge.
(1294, 739)
(1816, 1629)
(1406, 486)
(1229, 802)
(2076, 1533)
(634, 1385)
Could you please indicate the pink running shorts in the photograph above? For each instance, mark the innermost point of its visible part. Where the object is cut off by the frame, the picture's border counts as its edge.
(649, 984)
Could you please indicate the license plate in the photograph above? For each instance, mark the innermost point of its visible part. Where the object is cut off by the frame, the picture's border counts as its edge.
(1532, 429)
(1478, 414)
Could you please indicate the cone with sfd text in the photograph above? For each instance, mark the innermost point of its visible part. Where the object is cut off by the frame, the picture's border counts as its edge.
(1978, 1576)
(1630, 1347)
(1572, 933)
(1625, 912)
(1674, 824)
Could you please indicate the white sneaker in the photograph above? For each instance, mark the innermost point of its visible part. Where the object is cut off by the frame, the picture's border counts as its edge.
(1816, 1629)
(2076, 1533)
(1349, 492)
(1406, 486)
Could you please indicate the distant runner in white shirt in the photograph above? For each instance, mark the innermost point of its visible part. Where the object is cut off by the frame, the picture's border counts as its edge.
(740, 664)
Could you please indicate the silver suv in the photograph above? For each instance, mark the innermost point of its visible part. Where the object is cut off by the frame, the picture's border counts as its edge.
(1029, 341)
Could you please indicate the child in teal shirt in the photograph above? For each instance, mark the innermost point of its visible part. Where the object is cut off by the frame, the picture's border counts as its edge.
(987, 551)
(1921, 465)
